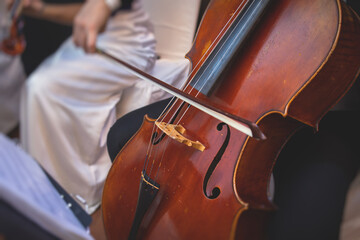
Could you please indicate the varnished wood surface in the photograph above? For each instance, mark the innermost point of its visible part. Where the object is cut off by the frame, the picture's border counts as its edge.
(296, 42)
(301, 58)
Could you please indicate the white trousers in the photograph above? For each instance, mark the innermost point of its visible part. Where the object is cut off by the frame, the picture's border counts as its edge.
(12, 76)
(68, 104)
(350, 226)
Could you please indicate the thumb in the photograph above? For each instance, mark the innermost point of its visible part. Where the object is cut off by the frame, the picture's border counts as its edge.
(91, 41)
(26, 3)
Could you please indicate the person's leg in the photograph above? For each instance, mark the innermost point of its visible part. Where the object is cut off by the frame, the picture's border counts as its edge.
(69, 104)
(312, 176)
(66, 112)
(12, 77)
(350, 226)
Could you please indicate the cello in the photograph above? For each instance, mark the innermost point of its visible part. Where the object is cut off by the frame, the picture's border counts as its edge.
(295, 54)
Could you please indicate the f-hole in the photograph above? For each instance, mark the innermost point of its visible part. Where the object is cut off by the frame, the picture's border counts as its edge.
(216, 191)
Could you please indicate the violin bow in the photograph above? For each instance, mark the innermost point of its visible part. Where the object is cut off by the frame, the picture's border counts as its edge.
(245, 126)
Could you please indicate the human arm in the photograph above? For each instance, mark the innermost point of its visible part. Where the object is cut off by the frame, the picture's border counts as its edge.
(58, 13)
(90, 21)
(88, 18)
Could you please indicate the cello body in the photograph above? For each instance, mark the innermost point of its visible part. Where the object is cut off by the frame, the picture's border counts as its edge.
(297, 62)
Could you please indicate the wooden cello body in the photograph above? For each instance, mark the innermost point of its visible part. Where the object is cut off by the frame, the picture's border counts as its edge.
(297, 61)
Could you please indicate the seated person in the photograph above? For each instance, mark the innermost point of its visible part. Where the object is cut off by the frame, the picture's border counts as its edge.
(44, 28)
(69, 101)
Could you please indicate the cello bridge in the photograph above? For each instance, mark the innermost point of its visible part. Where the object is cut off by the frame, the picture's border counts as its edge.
(175, 132)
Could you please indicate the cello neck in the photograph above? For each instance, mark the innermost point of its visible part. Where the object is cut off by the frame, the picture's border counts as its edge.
(232, 39)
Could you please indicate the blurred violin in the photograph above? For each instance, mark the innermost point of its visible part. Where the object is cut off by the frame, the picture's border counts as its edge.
(14, 43)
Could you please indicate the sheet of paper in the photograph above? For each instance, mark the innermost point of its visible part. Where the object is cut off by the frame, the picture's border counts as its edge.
(24, 185)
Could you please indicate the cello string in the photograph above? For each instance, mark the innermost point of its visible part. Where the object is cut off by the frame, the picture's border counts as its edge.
(221, 48)
(163, 116)
(229, 22)
(205, 54)
(161, 159)
(211, 71)
(207, 51)
(154, 128)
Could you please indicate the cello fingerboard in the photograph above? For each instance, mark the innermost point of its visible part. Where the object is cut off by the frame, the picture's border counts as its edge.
(234, 38)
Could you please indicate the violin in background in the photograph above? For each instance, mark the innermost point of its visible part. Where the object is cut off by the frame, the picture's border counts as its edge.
(12, 37)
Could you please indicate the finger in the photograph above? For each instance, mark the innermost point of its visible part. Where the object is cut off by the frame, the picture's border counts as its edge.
(9, 3)
(91, 41)
(26, 3)
(79, 33)
(79, 36)
(75, 35)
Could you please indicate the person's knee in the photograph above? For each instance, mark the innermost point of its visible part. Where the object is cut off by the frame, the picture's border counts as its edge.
(40, 83)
